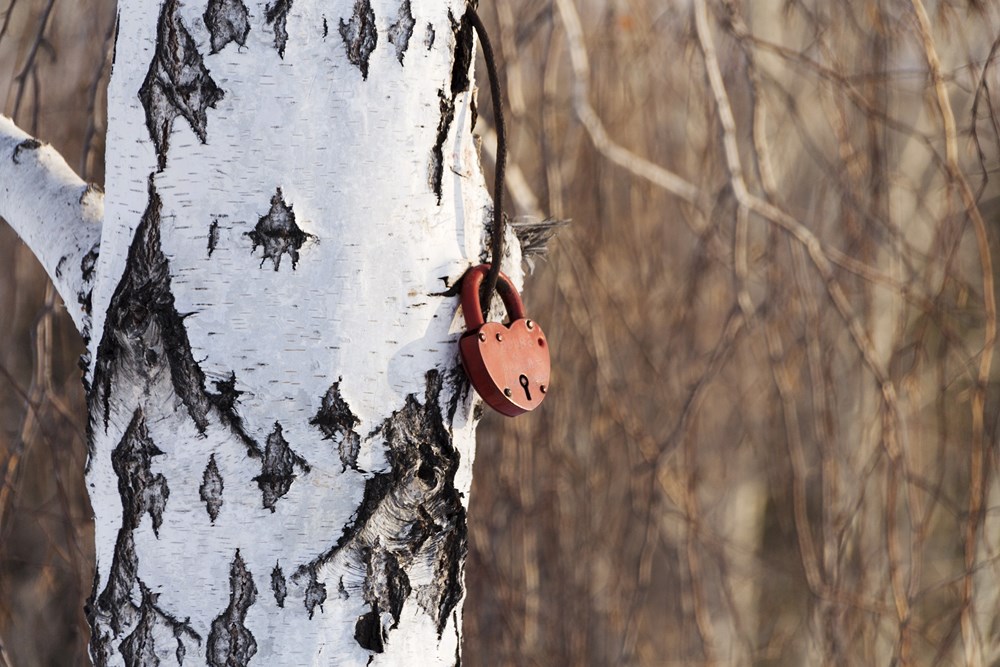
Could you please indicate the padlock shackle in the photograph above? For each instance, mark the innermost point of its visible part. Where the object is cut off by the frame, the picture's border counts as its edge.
(471, 305)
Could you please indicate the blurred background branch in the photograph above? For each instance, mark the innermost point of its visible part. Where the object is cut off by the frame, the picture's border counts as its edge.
(773, 433)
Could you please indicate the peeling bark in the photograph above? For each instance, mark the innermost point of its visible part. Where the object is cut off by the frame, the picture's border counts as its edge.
(360, 36)
(177, 84)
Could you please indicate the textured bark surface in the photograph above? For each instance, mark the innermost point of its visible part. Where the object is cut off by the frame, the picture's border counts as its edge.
(280, 438)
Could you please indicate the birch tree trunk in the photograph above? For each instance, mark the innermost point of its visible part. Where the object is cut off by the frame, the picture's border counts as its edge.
(280, 435)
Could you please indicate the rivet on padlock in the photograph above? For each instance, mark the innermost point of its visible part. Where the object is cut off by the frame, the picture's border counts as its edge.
(508, 365)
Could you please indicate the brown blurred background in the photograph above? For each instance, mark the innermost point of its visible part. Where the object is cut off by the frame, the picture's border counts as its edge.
(773, 435)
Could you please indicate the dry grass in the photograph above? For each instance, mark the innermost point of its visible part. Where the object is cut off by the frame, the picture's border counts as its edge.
(772, 437)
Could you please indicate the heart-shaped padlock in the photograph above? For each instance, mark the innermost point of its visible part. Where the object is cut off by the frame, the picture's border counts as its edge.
(508, 365)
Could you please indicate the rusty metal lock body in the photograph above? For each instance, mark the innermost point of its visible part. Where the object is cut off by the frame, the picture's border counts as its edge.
(508, 364)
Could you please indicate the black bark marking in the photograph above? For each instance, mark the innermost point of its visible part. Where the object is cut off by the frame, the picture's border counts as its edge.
(461, 387)
(337, 422)
(118, 29)
(278, 468)
(447, 107)
(341, 591)
(230, 642)
(360, 36)
(114, 605)
(89, 262)
(385, 588)
(28, 144)
(139, 648)
(429, 37)
(177, 84)
(368, 632)
(326, 28)
(142, 317)
(224, 401)
(315, 593)
(279, 585)
(144, 336)
(99, 646)
(401, 31)
(277, 233)
(227, 21)
(462, 32)
(213, 237)
(410, 515)
(141, 492)
(211, 488)
(277, 14)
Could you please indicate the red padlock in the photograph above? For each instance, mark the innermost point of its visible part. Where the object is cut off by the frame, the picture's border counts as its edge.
(508, 365)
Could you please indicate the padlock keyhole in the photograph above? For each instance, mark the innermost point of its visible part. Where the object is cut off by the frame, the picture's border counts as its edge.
(524, 383)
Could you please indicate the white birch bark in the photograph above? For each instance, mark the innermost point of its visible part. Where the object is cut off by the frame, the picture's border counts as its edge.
(54, 212)
(281, 437)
